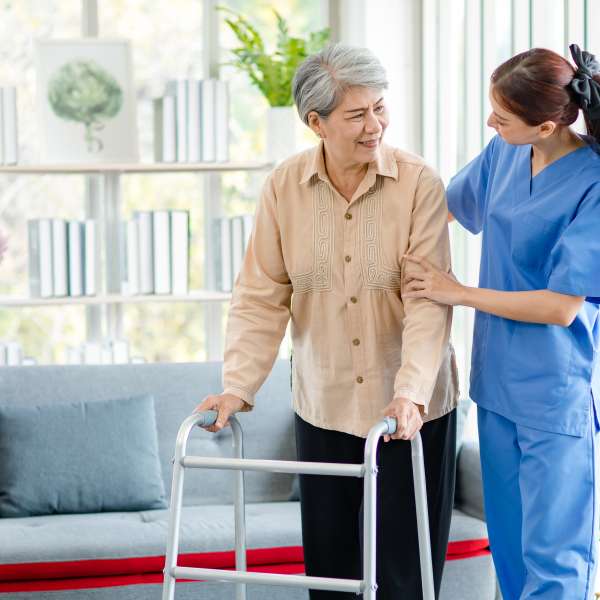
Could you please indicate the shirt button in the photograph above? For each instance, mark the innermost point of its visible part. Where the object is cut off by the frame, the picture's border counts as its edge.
(353, 299)
(356, 341)
(359, 379)
(348, 216)
(347, 258)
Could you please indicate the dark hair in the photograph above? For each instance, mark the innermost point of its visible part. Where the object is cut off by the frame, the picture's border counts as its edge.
(535, 85)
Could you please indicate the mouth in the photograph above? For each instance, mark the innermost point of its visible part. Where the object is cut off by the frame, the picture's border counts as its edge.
(370, 143)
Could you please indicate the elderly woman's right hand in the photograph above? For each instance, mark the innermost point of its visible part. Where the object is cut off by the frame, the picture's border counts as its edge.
(225, 405)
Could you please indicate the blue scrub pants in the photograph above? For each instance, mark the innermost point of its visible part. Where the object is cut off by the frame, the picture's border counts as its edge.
(541, 498)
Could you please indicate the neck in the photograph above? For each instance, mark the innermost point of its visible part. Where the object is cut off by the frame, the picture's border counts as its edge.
(550, 149)
(343, 175)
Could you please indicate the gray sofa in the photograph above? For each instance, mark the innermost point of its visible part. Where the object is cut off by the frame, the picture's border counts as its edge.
(118, 555)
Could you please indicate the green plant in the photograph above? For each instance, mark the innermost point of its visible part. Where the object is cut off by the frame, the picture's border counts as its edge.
(271, 73)
(84, 92)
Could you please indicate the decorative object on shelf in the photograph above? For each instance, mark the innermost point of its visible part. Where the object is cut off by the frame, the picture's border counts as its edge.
(191, 122)
(231, 235)
(155, 253)
(272, 73)
(86, 101)
(9, 144)
(63, 258)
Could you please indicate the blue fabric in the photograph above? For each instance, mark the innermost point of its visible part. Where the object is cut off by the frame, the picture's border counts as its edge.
(540, 491)
(538, 233)
(79, 457)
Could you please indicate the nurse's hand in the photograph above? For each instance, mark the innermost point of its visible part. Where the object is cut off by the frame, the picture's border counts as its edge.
(408, 418)
(225, 405)
(429, 282)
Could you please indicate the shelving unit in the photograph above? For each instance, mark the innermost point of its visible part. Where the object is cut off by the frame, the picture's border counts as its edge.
(104, 312)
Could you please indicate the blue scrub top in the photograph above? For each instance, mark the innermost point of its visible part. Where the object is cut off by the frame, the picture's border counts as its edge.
(538, 233)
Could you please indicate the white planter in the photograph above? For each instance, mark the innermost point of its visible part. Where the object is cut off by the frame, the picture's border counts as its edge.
(281, 132)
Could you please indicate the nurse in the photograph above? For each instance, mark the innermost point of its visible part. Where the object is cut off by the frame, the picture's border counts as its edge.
(534, 194)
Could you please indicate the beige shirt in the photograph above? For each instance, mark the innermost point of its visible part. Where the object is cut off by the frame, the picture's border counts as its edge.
(336, 268)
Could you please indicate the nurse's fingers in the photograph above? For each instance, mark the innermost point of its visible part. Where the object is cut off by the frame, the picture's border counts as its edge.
(413, 286)
(415, 294)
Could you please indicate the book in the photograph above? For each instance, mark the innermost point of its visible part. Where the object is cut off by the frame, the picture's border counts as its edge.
(39, 234)
(237, 245)
(157, 128)
(222, 121)
(76, 258)
(161, 239)
(120, 352)
(178, 89)
(169, 128)
(180, 251)
(9, 121)
(131, 249)
(194, 120)
(222, 237)
(90, 241)
(60, 258)
(1, 128)
(208, 119)
(145, 251)
(14, 354)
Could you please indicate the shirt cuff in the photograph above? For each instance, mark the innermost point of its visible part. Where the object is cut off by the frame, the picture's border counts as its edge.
(245, 395)
(416, 396)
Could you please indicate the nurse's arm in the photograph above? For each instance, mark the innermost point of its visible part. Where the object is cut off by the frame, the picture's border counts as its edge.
(538, 306)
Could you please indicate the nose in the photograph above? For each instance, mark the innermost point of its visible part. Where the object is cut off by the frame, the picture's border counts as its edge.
(491, 122)
(372, 124)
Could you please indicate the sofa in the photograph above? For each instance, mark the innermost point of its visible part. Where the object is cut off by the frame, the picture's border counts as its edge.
(119, 555)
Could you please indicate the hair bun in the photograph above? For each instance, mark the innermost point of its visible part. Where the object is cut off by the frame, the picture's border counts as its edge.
(583, 84)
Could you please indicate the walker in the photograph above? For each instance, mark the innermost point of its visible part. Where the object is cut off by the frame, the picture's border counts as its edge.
(240, 577)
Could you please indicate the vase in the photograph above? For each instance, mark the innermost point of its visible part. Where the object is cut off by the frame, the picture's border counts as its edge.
(281, 132)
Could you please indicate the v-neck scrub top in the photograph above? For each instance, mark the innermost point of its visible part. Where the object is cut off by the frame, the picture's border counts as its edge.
(538, 233)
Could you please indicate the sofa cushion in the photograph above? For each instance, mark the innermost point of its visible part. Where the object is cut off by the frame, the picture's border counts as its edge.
(79, 457)
(113, 545)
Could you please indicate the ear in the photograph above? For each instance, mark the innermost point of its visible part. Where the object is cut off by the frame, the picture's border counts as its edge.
(315, 122)
(547, 128)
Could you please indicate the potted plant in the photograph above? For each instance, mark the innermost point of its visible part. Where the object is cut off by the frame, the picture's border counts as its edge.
(272, 73)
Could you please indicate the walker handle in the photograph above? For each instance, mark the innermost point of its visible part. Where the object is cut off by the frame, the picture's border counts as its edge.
(207, 418)
(391, 425)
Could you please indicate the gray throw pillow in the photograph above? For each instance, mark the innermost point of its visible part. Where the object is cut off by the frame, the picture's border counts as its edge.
(79, 457)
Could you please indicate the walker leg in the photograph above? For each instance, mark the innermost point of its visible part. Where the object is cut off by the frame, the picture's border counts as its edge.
(239, 507)
(173, 531)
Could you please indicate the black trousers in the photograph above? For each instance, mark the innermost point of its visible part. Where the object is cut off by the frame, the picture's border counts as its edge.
(332, 508)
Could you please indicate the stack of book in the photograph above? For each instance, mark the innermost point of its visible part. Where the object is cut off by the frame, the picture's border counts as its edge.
(156, 253)
(108, 352)
(191, 122)
(8, 126)
(230, 235)
(62, 258)
(11, 355)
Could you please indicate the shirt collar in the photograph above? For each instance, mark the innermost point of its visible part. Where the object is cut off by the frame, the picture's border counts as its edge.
(385, 164)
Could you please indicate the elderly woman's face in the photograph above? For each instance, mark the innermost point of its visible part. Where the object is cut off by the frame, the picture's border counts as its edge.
(354, 130)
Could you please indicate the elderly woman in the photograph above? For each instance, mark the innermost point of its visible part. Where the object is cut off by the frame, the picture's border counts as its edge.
(331, 230)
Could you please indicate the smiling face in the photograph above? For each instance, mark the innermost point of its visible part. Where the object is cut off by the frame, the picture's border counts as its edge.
(354, 130)
(512, 129)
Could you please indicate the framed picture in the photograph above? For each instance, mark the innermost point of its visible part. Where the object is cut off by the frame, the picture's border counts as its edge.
(86, 101)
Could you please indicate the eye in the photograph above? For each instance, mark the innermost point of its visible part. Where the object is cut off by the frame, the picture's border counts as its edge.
(356, 117)
(379, 109)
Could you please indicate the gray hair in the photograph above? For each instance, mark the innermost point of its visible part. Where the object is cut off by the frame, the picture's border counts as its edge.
(322, 79)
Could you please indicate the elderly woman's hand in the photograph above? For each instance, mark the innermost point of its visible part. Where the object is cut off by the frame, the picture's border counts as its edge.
(430, 282)
(408, 418)
(225, 405)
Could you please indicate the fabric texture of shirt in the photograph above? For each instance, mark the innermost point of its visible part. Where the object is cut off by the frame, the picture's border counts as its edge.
(540, 232)
(336, 269)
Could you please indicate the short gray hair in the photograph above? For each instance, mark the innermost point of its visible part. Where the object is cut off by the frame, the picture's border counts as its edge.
(322, 79)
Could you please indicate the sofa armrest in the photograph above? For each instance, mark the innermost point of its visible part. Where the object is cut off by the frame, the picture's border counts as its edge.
(469, 491)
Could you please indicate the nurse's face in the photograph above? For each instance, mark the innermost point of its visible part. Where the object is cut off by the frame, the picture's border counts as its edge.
(511, 128)
(354, 130)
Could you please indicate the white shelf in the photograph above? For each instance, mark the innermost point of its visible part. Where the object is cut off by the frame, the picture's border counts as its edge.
(194, 296)
(124, 168)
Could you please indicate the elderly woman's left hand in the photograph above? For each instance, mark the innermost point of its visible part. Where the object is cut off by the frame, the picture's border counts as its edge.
(430, 282)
